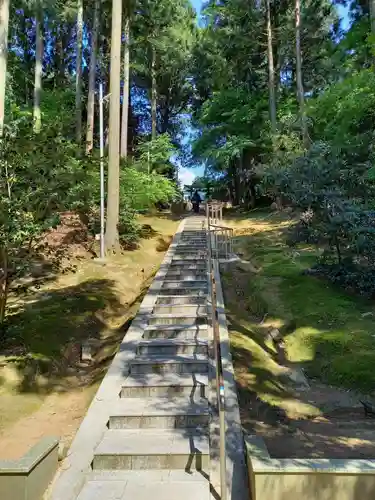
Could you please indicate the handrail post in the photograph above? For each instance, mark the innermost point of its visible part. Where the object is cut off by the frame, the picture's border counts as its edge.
(218, 369)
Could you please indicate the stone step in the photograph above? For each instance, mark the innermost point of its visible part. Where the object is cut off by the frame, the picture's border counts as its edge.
(182, 363)
(178, 319)
(186, 309)
(184, 284)
(193, 231)
(166, 385)
(193, 240)
(184, 265)
(159, 413)
(186, 277)
(135, 449)
(172, 347)
(192, 247)
(144, 484)
(199, 290)
(176, 332)
(192, 250)
(199, 238)
(191, 257)
(181, 300)
(187, 272)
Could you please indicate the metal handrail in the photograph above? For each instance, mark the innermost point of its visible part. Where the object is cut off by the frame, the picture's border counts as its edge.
(223, 241)
(215, 210)
(222, 235)
(218, 365)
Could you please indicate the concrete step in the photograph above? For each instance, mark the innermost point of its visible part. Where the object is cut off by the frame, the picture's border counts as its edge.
(165, 385)
(182, 363)
(145, 484)
(186, 309)
(185, 284)
(200, 239)
(189, 253)
(176, 332)
(136, 449)
(178, 319)
(192, 247)
(181, 300)
(186, 277)
(159, 413)
(199, 290)
(190, 257)
(187, 272)
(193, 240)
(171, 347)
(186, 266)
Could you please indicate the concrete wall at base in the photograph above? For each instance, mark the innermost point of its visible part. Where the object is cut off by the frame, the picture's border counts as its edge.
(320, 486)
(307, 479)
(29, 477)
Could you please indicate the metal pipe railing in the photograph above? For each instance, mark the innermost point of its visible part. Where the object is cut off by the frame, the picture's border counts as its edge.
(223, 240)
(222, 235)
(215, 211)
(218, 363)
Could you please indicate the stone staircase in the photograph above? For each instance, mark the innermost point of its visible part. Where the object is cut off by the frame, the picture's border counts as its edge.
(156, 440)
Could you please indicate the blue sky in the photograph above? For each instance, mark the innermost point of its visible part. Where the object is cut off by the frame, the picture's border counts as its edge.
(187, 175)
(197, 4)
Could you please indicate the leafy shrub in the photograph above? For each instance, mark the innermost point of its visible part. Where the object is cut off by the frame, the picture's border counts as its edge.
(334, 196)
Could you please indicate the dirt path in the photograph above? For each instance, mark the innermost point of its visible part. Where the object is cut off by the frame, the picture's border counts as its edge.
(59, 415)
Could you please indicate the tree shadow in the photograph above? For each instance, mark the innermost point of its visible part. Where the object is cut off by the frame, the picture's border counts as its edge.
(163, 243)
(43, 339)
(337, 347)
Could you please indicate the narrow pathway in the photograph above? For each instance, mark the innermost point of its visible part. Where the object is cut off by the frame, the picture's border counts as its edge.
(147, 431)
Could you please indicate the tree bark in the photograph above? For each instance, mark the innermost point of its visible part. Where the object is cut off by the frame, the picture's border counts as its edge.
(60, 56)
(4, 283)
(38, 68)
(271, 71)
(300, 90)
(4, 26)
(79, 71)
(125, 96)
(372, 15)
(154, 94)
(92, 80)
(111, 236)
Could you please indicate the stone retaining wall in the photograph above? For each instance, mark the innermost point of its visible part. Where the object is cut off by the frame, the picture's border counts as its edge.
(307, 479)
(28, 477)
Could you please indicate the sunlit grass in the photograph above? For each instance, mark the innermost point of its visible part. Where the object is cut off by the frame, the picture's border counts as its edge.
(332, 333)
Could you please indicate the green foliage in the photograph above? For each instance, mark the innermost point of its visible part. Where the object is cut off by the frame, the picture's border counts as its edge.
(140, 190)
(155, 155)
(344, 114)
(334, 198)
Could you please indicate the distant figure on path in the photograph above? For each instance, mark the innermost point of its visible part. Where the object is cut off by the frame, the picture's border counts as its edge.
(196, 199)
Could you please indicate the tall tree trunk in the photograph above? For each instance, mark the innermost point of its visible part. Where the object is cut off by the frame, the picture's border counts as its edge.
(38, 68)
(372, 15)
(125, 96)
(79, 71)
(154, 94)
(60, 56)
(4, 25)
(300, 91)
(92, 79)
(111, 236)
(271, 70)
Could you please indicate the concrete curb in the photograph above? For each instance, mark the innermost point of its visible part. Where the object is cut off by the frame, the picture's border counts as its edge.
(237, 478)
(314, 479)
(28, 477)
